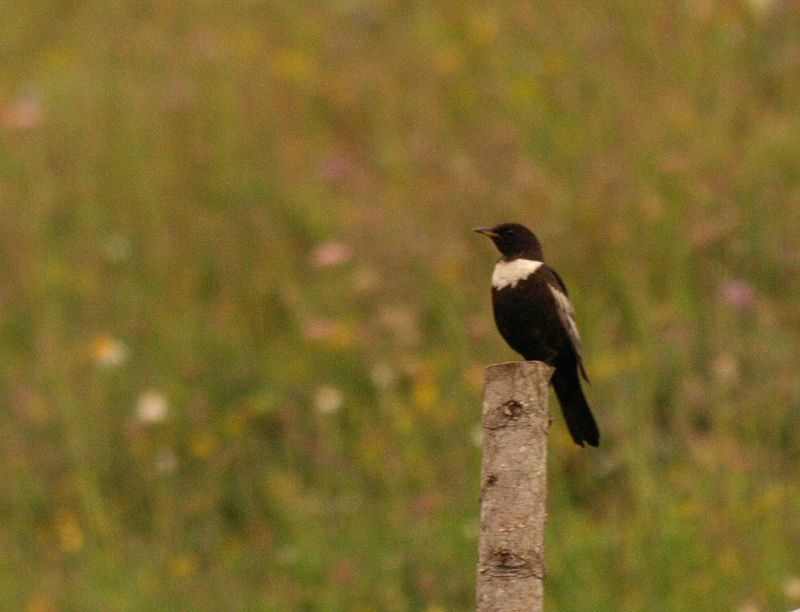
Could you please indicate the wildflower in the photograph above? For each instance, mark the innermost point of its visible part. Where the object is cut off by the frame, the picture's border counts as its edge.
(425, 393)
(183, 565)
(108, 352)
(319, 329)
(344, 573)
(293, 65)
(334, 168)
(25, 113)
(203, 444)
(791, 588)
(335, 334)
(726, 368)
(70, 536)
(449, 60)
(483, 29)
(383, 376)
(328, 399)
(151, 408)
(40, 603)
(330, 254)
(738, 294)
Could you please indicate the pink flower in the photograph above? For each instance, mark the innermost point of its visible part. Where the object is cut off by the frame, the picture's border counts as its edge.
(330, 254)
(23, 114)
(738, 294)
(334, 168)
(318, 329)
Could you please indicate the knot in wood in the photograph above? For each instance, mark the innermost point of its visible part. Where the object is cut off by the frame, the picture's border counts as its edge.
(506, 564)
(512, 409)
(504, 415)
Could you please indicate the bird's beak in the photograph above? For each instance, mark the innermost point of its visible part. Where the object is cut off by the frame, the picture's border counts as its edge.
(486, 231)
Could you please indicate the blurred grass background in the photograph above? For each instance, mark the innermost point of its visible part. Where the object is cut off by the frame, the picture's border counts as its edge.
(244, 322)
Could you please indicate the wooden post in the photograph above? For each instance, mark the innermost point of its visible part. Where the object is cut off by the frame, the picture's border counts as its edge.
(513, 487)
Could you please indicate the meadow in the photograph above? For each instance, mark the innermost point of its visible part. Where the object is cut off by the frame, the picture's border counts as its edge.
(244, 323)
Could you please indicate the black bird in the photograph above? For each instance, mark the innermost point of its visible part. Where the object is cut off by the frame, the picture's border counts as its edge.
(535, 317)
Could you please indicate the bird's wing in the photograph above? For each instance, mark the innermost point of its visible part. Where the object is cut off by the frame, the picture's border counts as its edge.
(567, 315)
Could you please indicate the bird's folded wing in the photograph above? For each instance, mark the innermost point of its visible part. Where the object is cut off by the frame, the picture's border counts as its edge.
(567, 315)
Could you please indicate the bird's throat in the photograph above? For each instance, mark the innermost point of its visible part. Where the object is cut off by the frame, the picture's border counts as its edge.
(509, 273)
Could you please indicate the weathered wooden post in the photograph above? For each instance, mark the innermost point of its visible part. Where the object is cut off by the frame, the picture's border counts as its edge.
(513, 487)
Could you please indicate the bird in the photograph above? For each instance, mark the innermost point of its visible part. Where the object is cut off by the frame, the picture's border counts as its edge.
(535, 317)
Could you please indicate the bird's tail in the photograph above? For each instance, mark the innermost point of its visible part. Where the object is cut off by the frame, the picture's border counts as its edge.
(580, 422)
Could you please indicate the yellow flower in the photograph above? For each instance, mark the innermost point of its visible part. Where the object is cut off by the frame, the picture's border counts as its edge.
(449, 61)
(108, 352)
(293, 65)
(70, 536)
(424, 394)
(40, 603)
(483, 29)
(203, 444)
(183, 565)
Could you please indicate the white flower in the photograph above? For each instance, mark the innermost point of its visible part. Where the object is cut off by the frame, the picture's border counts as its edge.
(383, 376)
(328, 399)
(151, 408)
(791, 588)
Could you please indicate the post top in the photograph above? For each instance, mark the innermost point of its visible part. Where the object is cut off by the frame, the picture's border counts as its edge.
(532, 368)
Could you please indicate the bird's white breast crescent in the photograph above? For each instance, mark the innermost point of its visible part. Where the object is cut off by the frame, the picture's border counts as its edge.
(509, 273)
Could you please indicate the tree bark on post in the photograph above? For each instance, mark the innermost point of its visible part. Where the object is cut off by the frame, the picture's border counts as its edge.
(513, 487)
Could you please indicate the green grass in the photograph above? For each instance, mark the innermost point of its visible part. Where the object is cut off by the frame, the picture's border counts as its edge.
(167, 171)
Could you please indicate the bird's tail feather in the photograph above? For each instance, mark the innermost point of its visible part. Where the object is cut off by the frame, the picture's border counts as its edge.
(580, 422)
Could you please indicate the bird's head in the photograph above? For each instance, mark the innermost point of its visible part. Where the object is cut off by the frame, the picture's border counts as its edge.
(513, 240)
